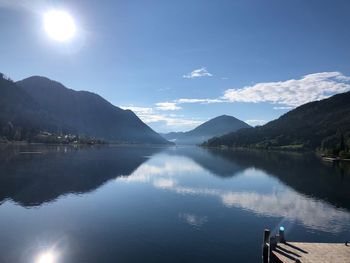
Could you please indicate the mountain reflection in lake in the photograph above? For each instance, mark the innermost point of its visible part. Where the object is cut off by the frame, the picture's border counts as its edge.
(177, 204)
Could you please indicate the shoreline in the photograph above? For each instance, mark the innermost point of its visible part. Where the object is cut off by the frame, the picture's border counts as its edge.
(23, 143)
(282, 149)
(335, 159)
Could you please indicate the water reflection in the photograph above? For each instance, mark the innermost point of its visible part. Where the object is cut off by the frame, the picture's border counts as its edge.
(32, 179)
(168, 204)
(193, 220)
(33, 175)
(288, 204)
(275, 199)
(304, 172)
(216, 161)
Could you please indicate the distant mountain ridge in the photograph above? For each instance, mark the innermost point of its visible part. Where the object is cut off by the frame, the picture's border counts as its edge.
(38, 103)
(215, 127)
(323, 124)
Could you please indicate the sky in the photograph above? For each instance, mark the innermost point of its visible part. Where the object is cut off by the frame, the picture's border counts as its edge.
(179, 63)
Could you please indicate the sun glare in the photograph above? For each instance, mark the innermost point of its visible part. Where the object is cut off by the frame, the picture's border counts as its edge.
(59, 25)
(46, 257)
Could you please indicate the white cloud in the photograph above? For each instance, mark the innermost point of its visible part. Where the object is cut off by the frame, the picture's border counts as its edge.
(174, 105)
(284, 94)
(139, 110)
(198, 73)
(290, 93)
(283, 108)
(150, 115)
(255, 122)
(203, 101)
(294, 92)
(167, 106)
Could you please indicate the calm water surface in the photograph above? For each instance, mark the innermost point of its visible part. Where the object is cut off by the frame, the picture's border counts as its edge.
(177, 204)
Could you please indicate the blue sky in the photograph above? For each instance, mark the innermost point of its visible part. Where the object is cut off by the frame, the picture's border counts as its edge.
(179, 63)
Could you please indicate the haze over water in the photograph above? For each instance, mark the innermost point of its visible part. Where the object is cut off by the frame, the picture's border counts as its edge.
(176, 204)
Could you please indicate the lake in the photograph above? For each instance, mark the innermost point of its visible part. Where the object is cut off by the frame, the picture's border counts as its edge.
(154, 204)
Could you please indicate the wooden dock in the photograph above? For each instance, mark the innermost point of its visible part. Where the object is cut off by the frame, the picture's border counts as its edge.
(277, 250)
(290, 252)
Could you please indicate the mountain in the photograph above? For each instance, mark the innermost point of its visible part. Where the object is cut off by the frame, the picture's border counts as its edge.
(215, 127)
(40, 104)
(20, 115)
(320, 124)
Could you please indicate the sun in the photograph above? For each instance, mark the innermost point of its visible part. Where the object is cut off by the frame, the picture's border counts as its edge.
(59, 25)
(47, 257)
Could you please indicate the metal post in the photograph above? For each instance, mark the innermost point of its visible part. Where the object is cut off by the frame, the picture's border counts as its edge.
(272, 246)
(282, 238)
(265, 246)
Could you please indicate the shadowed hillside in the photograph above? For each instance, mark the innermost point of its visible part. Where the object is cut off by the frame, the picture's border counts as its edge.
(83, 112)
(321, 124)
(36, 105)
(20, 115)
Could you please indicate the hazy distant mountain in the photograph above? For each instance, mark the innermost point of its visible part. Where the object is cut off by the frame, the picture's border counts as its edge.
(324, 124)
(39, 103)
(215, 127)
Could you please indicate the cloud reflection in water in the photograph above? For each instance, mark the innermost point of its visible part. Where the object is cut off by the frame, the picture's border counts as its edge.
(167, 173)
(193, 220)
